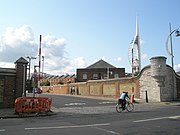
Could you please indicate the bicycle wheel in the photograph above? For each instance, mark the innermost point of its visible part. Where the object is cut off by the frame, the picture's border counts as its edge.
(119, 108)
(130, 107)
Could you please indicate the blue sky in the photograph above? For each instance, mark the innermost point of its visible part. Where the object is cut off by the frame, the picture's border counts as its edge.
(77, 33)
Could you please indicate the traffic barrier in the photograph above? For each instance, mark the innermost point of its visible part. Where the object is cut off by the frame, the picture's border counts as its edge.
(32, 104)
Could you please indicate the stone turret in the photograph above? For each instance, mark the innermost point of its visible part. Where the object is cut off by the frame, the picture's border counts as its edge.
(158, 69)
(165, 80)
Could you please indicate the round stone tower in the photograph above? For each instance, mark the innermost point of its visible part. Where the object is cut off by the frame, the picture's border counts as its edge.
(158, 67)
(164, 76)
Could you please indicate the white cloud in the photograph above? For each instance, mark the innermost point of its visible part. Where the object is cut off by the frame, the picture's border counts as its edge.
(103, 58)
(79, 62)
(16, 42)
(142, 42)
(144, 56)
(119, 59)
(7, 65)
(15, 37)
(75, 63)
(19, 42)
(177, 67)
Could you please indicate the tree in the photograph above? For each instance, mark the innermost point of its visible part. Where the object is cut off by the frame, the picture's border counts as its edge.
(47, 83)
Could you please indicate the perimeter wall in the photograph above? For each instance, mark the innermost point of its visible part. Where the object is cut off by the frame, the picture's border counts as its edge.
(158, 80)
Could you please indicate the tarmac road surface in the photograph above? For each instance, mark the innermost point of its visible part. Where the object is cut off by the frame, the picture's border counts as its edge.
(82, 116)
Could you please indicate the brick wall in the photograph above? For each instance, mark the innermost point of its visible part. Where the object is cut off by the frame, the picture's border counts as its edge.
(101, 88)
(60, 89)
(56, 89)
(12, 83)
(108, 88)
(21, 68)
(9, 93)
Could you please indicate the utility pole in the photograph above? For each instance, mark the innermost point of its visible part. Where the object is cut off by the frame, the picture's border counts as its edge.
(30, 58)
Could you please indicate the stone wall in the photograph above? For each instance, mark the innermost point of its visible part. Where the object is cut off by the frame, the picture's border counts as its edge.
(147, 83)
(169, 91)
(178, 86)
(158, 79)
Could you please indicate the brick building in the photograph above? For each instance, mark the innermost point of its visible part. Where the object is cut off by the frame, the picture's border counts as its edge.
(56, 79)
(99, 70)
(12, 83)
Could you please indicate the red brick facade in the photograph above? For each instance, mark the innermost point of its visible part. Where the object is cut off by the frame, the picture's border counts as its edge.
(99, 70)
(99, 73)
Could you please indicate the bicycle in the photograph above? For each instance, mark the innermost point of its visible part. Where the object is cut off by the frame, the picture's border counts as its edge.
(128, 106)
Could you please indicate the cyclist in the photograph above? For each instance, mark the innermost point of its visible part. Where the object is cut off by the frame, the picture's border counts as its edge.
(122, 99)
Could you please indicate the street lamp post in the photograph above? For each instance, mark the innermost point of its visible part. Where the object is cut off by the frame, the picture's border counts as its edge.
(171, 53)
(170, 36)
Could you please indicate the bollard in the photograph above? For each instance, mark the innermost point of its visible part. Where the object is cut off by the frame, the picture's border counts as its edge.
(132, 98)
(146, 97)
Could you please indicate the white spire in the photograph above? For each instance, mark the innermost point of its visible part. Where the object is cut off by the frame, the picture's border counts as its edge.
(137, 27)
(136, 55)
(138, 43)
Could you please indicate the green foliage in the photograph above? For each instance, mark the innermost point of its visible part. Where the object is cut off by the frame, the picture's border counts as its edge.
(47, 83)
(60, 82)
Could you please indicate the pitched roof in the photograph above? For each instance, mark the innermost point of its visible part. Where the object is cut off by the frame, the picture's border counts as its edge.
(21, 60)
(100, 64)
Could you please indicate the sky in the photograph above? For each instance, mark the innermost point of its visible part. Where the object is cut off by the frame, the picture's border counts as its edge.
(78, 33)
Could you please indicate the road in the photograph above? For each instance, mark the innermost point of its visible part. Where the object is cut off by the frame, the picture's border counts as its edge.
(79, 116)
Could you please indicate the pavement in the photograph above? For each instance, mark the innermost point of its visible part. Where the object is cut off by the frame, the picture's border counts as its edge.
(10, 112)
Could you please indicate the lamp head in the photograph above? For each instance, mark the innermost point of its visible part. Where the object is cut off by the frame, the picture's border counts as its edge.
(33, 57)
(177, 33)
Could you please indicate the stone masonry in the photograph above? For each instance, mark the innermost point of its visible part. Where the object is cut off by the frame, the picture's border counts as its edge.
(158, 79)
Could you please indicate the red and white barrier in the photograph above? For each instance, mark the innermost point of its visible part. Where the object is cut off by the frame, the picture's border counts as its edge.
(32, 104)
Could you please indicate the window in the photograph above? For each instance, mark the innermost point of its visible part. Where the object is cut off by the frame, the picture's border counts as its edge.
(105, 76)
(116, 75)
(95, 76)
(1, 90)
(84, 76)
